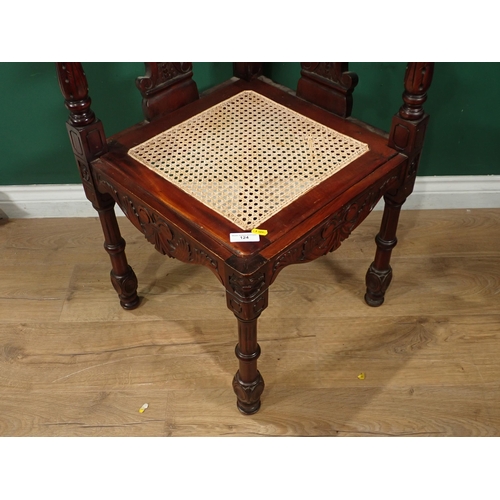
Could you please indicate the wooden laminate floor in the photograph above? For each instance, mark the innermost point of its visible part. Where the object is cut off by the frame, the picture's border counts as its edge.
(73, 363)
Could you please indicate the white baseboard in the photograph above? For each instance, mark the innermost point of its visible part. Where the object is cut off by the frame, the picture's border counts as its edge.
(45, 200)
(457, 191)
(68, 200)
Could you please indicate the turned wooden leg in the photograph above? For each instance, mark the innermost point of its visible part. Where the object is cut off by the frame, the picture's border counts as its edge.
(123, 277)
(379, 273)
(248, 383)
(406, 136)
(247, 296)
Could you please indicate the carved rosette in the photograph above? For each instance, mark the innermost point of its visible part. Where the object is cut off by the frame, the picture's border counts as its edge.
(412, 169)
(85, 173)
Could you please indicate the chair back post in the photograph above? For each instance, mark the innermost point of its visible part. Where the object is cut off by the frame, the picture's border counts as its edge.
(86, 132)
(410, 123)
(247, 70)
(329, 85)
(165, 87)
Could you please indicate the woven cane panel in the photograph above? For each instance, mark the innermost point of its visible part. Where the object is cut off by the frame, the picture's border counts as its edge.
(248, 157)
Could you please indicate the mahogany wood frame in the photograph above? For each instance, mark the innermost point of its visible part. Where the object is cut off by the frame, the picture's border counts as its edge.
(181, 227)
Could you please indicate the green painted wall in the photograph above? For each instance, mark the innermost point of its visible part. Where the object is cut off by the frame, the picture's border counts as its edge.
(464, 103)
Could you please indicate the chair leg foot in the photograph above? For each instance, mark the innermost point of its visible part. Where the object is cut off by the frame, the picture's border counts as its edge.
(377, 283)
(126, 288)
(248, 394)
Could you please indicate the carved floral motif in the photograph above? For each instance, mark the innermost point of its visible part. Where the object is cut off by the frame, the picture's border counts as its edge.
(335, 72)
(161, 75)
(157, 231)
(335, 230)
(170, 70)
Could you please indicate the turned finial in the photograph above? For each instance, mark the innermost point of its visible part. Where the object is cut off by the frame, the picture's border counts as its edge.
(418, 78)
(74, 88)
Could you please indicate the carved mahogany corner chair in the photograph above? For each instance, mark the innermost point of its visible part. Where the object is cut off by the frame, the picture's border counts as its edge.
(247, 155)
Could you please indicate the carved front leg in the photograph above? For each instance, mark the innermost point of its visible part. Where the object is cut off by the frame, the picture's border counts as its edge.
(248, 383)
(247, 298)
